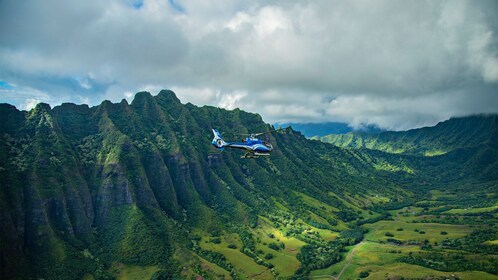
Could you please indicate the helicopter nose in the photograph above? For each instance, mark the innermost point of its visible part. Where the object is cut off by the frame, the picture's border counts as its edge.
(268, 145)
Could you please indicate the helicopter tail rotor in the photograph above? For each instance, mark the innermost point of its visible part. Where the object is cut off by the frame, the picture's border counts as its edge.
(218, 141)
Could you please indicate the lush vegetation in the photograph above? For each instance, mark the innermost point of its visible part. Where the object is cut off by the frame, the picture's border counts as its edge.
(119, 190)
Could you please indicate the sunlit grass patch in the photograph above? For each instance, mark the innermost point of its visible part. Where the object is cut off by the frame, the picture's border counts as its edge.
(242, 263)
(211, 267)
(472, 210)
(316, 203)
(88, 276)
(434, 153)
(390, 271)
(415, 231)
(133, 272)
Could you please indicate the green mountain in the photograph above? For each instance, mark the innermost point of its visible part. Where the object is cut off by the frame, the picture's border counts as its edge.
(327, 128)
(467, 146)
(117, 189)
(447, 136)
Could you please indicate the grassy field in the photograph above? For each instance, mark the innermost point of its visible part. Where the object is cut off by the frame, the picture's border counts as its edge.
(472, 210)
(284, 260)
(375, 254)
(242, 263)
(88, 276)
(413, 271)
(414, 231)
(213, 268)
(382, 259)
(316, 203)
(125, 272)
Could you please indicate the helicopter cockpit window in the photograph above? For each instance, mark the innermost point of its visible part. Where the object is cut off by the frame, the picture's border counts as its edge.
(268, 145)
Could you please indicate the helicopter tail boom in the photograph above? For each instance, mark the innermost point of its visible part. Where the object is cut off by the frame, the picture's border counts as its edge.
(218, 141)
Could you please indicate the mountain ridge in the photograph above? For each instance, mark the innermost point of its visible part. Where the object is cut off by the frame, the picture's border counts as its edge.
(86, 187)
(326, 128)
(439, 139)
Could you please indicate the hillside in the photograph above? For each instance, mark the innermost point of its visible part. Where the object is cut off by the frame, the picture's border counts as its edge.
(323, 129)
(448, 152)
(456, 133)
(98, 192)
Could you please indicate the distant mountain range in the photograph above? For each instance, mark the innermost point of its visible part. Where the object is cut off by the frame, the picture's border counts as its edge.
(456, 133)
(326, 128)
(85, 191)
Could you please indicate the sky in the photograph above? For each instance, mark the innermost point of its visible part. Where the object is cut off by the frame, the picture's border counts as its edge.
(394, 64)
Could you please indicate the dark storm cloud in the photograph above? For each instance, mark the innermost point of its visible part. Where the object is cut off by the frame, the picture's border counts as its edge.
(395, 64)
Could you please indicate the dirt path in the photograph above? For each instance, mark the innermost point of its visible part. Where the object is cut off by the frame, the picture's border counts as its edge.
(258, 274)
(349, 258)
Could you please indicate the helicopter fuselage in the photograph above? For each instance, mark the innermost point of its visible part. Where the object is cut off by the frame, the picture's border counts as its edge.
(252, 145)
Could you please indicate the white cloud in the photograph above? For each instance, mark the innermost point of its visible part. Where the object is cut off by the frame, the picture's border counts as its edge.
(25, 98)
(29, 104)
(198, 96)
(230, 101)
(285, 60)
(481, 57)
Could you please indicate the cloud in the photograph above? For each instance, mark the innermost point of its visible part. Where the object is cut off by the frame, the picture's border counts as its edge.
(307, 61)
(29, 104)
(25, 98)
(230, 101)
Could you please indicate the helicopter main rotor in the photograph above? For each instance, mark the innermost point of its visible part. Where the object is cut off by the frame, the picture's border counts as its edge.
(254, 135)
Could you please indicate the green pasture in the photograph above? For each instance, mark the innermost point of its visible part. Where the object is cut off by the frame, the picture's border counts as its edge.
(375, 256)
(381, 260)
(242, 263)
(292, 244)
(472, 210)
(133, 272)
(409, 271)
(87, 276)
(432, 231)
(284, 260)
(213, 268)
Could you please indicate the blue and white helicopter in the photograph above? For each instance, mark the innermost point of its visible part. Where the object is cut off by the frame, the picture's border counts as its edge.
(253, 146)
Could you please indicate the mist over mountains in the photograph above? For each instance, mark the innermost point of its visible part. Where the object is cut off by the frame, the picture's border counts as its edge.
(87, 189)
(326, 128)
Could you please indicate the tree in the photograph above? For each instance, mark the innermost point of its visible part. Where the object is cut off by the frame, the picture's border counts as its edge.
(364, 274)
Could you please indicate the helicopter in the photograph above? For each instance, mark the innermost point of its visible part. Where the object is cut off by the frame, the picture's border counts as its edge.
(253, 146)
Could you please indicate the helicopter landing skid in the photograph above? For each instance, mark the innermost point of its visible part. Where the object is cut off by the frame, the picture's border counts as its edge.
(249, 155)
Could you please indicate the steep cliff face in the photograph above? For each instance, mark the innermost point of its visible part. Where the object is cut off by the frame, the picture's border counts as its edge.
(84, 187)
(112, 180)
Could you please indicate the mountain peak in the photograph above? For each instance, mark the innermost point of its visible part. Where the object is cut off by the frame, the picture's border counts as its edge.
(143, 95)
(42, 107)
(167, 94)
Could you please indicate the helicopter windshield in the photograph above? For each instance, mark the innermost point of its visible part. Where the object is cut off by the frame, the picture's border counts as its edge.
(268, 145)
